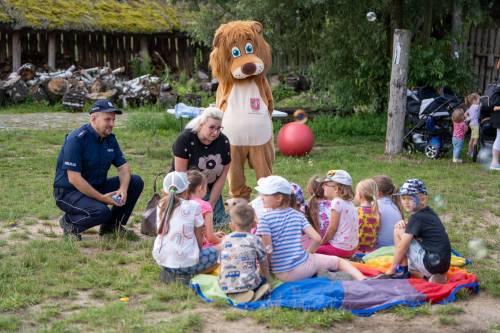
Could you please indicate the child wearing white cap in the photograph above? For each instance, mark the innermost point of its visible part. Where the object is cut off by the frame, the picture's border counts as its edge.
(178, 246)
(341, 237)
(281, 230)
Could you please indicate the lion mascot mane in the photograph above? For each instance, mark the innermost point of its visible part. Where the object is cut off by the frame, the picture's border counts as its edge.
(240, 60)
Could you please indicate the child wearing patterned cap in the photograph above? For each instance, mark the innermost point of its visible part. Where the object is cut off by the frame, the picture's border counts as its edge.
(422, 244)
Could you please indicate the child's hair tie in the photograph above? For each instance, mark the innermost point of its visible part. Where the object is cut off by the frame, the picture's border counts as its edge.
(172, 189)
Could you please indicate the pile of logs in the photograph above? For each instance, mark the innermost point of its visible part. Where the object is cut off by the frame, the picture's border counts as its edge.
(73, 87)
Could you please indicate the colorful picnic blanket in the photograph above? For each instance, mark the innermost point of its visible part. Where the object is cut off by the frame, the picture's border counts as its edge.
(362, 298)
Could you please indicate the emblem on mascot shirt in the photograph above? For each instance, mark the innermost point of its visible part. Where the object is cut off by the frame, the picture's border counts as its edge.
(255, 104)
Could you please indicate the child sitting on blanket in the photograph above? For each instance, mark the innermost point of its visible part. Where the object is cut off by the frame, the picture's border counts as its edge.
(368, 215)
(197, 189)
(281, 229)
(240, 250)
(341, 237)
(390, 210)
(422, 244)
(297, 201)
(317, 208)
(178, 246)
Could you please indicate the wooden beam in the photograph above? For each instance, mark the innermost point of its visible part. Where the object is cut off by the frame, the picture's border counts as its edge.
(51, 51)
(16, 50)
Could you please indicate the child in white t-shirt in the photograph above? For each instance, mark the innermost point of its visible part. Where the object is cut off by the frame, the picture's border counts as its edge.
(178, 246)
(341, 237)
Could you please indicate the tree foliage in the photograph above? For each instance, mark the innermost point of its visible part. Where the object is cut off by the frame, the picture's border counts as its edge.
(345, 54)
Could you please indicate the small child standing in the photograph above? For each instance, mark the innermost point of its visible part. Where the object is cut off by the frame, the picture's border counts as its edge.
(281, 229)
(197, 189)
(240, 251)
(459, 130)
(472, 101)
(178, 246)
(422, 244)
(368, 214)
(342, 235)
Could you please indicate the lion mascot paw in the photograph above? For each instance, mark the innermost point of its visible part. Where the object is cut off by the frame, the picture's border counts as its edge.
(240, 60)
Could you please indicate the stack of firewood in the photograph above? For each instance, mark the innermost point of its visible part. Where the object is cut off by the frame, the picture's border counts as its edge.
(73, 87)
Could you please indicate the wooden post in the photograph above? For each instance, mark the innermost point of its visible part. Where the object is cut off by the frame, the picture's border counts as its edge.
(397, 98)
(16, 50)
(51, 57)
(144, 51)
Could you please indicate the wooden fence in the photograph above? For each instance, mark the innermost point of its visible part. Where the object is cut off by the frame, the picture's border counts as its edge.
(484, 49)
(94, 49)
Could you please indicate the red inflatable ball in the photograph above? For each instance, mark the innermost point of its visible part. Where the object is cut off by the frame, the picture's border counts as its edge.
(295, 139)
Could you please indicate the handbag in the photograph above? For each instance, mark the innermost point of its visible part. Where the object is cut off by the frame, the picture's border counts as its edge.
(148, 221)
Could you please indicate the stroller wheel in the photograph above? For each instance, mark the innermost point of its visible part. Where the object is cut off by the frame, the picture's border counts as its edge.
(431, 151)
(408, 148)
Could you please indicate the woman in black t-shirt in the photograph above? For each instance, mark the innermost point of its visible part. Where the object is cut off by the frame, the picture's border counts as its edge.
(202, 146)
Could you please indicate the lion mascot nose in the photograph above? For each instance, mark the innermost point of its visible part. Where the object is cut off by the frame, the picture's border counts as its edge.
(248, 68)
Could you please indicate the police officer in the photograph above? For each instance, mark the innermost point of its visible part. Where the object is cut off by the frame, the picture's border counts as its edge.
(81, 187)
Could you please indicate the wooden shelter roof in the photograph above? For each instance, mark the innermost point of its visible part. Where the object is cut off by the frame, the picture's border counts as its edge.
(125, 16)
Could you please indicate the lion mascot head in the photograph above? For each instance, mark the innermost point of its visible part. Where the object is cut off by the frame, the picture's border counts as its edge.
(239, 52)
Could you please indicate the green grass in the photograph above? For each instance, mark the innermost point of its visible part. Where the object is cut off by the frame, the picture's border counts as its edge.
(51, 275)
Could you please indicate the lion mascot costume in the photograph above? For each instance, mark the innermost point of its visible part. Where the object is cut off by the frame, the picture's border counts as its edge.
(240, 60)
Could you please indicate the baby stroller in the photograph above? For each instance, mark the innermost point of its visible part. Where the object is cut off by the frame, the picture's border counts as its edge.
(428, 122)
(487, 132)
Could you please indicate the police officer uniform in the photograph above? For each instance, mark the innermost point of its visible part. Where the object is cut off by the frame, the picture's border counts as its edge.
(84, 151)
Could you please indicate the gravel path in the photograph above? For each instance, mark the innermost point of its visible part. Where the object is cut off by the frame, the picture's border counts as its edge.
(48, 120)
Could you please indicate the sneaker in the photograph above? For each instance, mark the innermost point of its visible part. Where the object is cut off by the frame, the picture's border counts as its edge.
(166, 276)
(120, 232)
(335, 276)
(68, 229)
(243, 297)
(495, 167)
(261, 291)
(401, 275)
(438, 278)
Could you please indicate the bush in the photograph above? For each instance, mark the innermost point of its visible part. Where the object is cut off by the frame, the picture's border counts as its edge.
(282, 91)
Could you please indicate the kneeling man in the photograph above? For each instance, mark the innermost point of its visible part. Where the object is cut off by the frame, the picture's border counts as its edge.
(81, 187)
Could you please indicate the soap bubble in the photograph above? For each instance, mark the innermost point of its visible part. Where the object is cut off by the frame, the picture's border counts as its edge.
(478, 248)
(371, 16)
(439, 201)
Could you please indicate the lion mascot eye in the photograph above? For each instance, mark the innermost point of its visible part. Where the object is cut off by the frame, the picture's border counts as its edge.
(235, 52)
(248, 48)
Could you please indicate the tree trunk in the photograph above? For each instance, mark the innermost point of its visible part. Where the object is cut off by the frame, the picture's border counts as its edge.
(74, 99)
(456, 28)
(427, 28)
(397, 99)
(396, 21)
(56, 88)
(38, 94)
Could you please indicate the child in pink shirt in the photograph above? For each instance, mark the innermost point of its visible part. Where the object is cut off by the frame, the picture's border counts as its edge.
(459, 130)
(197, 189)
(341, 236)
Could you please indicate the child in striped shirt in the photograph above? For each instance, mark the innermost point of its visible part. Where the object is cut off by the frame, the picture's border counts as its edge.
(281, 228)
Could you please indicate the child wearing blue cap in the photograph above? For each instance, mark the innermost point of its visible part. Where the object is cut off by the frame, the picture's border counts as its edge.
(422, 244)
